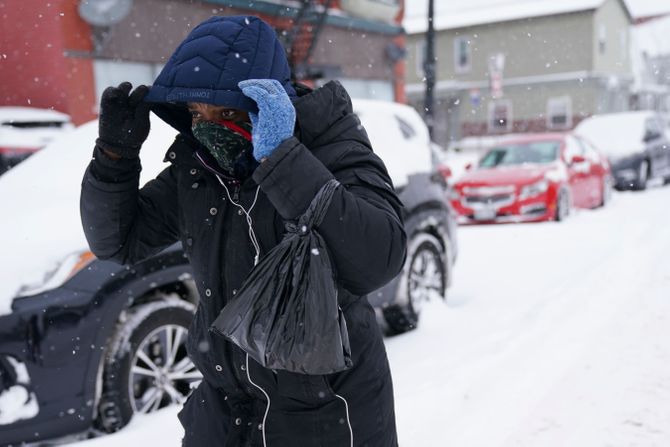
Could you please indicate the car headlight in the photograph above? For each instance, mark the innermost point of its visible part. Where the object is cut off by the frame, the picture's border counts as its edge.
(534, 189)
(62, 271)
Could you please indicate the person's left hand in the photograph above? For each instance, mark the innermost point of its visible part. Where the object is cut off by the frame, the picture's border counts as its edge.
(275, 119)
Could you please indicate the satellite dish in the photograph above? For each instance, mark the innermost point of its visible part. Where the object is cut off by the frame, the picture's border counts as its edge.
(104, 12)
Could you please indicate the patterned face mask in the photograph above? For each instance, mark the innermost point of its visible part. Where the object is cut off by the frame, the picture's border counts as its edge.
(225, 140)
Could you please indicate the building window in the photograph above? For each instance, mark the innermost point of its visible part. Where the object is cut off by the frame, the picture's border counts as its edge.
(462, 55)
(602, 38)
(500, 116)
(420, 58)
(559, 113)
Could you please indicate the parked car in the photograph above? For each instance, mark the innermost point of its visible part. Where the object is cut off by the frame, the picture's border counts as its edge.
(533, 178)
(637, 144)
(85, 343)
(25, 130)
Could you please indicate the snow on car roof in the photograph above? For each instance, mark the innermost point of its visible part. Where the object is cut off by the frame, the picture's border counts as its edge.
(615, 134)
(23, 114)
(451, 15)
(39, 199)
(398, 135)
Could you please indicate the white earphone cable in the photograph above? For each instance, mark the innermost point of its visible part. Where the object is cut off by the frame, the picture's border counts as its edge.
(247, 214)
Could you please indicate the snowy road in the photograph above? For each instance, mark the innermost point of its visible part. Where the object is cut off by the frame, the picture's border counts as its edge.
(552, 335)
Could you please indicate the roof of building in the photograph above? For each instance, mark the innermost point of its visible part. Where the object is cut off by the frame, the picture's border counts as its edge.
(649, 42)
(651, 37)
(459, 14)
(643, 9)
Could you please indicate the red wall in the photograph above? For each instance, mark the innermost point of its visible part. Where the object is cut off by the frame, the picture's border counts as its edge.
(34, 36)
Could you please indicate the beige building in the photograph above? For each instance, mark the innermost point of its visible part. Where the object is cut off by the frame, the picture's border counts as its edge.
(523, 67)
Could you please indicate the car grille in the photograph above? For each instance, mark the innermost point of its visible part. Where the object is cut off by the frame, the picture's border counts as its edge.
(495, 200)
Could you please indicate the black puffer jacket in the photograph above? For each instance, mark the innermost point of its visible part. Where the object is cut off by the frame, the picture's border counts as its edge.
(239, 400)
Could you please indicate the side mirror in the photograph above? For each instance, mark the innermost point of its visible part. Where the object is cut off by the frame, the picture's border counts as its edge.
(650, 135)
(577, 159)
(445, 171)
(468, 167)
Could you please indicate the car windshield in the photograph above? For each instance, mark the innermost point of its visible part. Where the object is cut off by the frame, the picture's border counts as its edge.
(517, 154)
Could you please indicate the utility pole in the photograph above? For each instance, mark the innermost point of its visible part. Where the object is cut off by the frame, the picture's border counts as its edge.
(429, 70)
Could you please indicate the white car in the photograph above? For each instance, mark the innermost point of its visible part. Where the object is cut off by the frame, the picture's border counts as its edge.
(25, 130)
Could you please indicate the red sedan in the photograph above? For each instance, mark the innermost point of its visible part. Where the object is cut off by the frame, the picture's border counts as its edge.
(533, 178)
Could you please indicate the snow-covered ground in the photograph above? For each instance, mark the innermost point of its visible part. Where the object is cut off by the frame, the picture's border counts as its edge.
(552, 335)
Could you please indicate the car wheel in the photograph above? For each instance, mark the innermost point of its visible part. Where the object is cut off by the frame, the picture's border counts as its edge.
(562, 206)
(642, 176)
(424, 278)
(147, 367)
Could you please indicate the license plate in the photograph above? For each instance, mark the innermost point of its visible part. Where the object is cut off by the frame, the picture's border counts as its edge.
(485, 214)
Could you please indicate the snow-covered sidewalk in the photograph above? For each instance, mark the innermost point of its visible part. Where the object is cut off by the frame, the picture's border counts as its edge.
(553, 334)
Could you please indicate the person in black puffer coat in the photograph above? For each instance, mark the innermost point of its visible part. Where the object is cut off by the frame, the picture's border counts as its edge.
(252, 152)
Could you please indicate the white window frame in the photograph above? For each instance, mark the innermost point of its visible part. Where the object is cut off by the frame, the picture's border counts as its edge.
(490, 117)
(458, 68)
(556, 102)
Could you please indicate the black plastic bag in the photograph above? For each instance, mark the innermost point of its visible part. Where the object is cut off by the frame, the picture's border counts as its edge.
(286, 314)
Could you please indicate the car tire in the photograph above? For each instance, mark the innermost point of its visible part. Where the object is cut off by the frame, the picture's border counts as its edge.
(642, 176)
(424, 275)
(147, 367)
(562, 206)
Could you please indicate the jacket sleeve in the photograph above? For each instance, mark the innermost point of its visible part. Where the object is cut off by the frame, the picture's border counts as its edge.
(122, 222)
(363, 226)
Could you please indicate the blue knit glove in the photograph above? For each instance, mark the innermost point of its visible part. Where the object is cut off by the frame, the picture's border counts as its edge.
(275, 119)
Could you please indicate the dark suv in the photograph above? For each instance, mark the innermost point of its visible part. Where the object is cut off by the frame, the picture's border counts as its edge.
(91, 343)
(636, 143)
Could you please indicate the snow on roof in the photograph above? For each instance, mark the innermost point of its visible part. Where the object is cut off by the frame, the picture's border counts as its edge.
(652, 37)
(22, 114)
(647, 8)
(648, 40)
(459, 14)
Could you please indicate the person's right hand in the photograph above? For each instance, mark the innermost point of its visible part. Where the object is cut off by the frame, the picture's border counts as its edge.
(124, 120)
